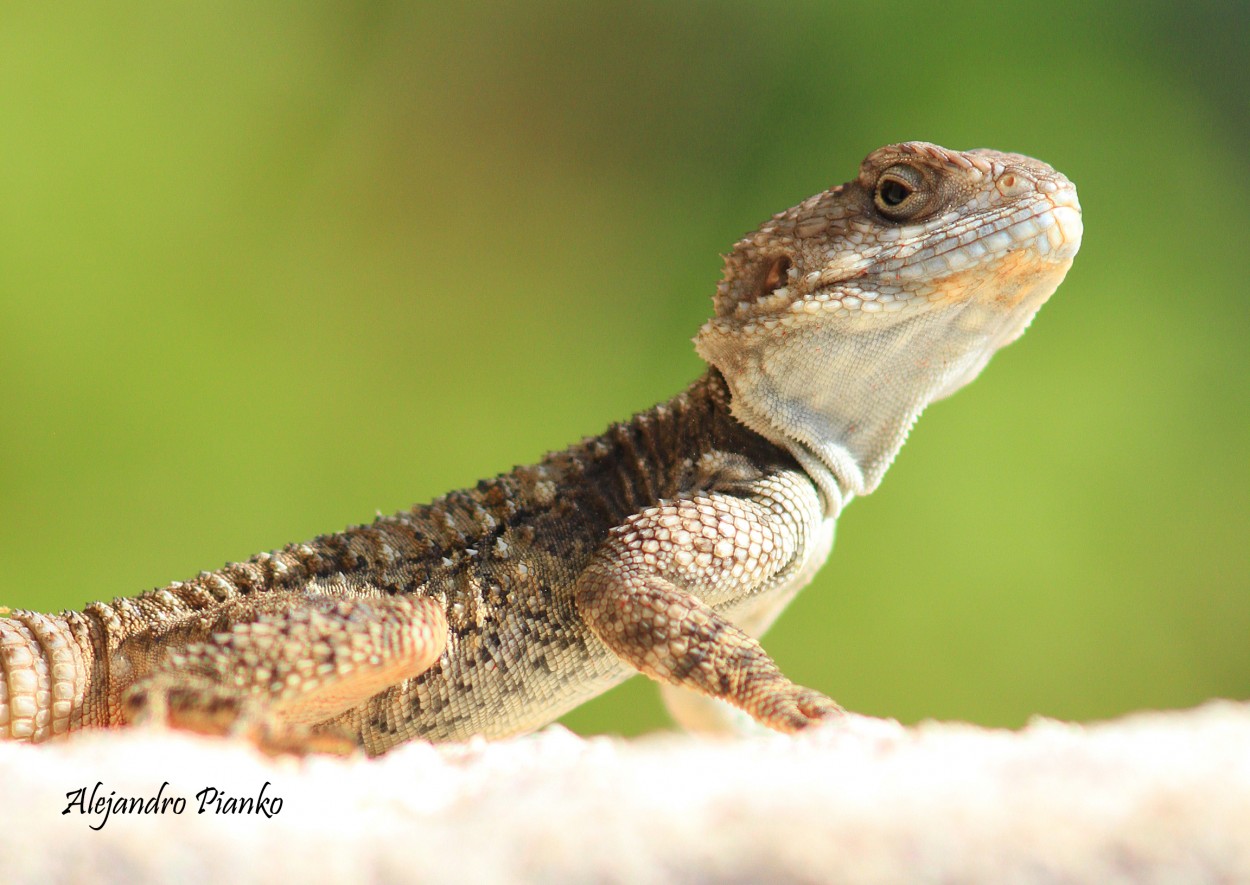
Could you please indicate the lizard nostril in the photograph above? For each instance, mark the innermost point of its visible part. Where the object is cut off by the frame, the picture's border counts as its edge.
(1010, 184)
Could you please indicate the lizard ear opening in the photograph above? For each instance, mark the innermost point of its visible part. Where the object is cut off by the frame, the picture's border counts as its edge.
(774, 278)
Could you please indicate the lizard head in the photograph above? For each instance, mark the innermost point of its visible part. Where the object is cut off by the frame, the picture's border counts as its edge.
(840, 319)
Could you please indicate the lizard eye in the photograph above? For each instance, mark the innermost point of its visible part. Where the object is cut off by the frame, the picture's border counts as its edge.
(892, 192)
(900, 193)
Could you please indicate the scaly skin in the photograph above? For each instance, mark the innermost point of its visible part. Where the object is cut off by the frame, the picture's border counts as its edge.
(664, 546)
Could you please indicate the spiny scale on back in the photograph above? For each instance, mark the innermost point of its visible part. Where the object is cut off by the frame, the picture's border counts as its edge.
(665, 546)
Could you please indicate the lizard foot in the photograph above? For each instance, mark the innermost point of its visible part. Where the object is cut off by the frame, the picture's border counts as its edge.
(203, 708)
(794, 708)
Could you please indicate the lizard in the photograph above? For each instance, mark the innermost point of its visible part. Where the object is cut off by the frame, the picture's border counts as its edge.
(665, 545)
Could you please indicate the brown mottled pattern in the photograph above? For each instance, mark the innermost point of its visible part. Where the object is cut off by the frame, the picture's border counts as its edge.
(501, 560)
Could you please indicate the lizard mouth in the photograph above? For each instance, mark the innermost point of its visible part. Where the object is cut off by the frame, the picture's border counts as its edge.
(1036, 241)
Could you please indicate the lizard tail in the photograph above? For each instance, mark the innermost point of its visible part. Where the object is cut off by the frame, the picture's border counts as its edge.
(42, 676)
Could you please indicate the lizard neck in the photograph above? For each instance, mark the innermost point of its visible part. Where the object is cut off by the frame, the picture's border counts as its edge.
(843, 398)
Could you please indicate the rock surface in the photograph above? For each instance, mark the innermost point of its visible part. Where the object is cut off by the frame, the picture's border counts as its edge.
(1153, 797)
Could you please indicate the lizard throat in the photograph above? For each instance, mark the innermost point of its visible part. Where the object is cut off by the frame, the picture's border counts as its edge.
(842, 396)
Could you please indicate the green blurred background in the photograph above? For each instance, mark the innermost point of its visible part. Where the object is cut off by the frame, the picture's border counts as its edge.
(266, 269)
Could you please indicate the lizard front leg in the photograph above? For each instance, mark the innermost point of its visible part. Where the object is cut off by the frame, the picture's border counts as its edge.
(273, 668)
(654, 592)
